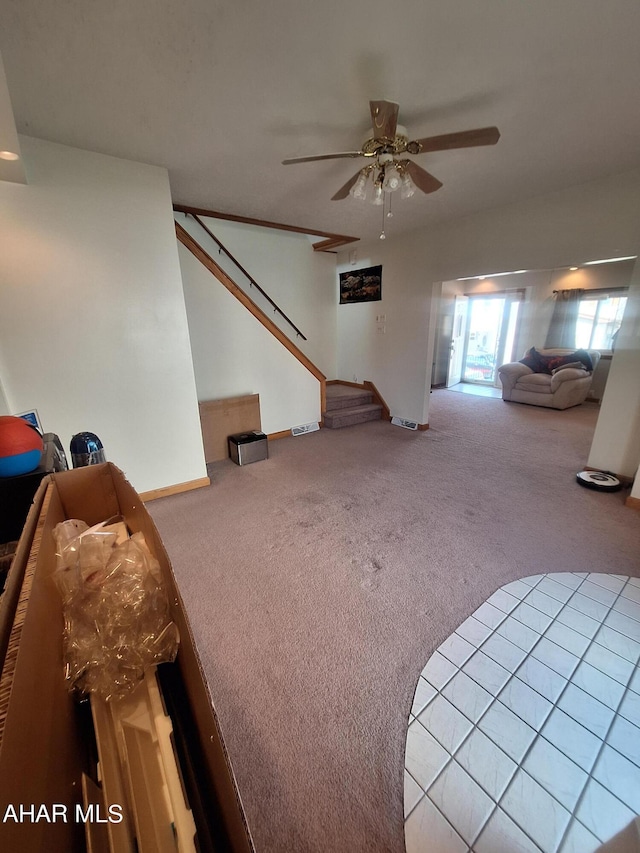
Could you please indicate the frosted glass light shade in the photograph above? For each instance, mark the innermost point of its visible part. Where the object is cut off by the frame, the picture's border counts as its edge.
(392, 180)
(408, 187)
(359, 189)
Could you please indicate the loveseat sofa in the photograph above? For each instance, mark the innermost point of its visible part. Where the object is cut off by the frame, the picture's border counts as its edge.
(556, 378)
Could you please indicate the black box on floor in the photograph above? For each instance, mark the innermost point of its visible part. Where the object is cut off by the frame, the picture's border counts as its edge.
(16, 496)
(246, 447)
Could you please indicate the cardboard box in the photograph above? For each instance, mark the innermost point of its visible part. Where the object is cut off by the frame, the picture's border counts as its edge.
(221, 418)
(46, 738)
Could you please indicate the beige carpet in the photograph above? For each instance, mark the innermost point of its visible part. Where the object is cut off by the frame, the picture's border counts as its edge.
(318, 583)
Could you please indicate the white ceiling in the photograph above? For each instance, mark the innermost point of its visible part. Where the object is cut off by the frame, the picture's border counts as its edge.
(220, 91)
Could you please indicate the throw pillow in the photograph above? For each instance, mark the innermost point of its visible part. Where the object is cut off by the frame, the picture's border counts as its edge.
(534, 360)
(583, 356)
(540, 363)
(555, 361)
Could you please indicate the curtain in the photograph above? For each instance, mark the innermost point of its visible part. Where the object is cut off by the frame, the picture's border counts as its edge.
(562, 329)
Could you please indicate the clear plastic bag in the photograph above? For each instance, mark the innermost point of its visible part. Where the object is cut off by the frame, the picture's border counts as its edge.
(117, 620)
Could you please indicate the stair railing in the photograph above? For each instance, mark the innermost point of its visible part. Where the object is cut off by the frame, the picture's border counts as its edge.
(206, 260)
(250, 278)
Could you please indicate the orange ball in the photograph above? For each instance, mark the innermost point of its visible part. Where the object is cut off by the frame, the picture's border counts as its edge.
(21, 446)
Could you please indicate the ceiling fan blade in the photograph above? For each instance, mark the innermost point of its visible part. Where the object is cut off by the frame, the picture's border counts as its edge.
(421, 178)
(323, 157)
(462, 139)
(384, 118)
(343, 192)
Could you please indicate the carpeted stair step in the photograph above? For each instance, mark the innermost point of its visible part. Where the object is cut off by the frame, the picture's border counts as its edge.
(356, 415)
(346, 397)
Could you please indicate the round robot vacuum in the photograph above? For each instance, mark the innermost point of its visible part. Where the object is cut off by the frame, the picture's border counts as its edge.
(599, 480)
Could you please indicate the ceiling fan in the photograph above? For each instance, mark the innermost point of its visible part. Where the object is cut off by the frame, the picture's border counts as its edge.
(389, 170)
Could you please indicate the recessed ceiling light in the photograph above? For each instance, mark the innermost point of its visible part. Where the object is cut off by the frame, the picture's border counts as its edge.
(491, 275)
(9, 155)
(573, 269)
(610, 260)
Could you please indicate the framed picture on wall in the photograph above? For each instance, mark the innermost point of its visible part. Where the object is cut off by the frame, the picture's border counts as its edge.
(363, 285)
(32, 418)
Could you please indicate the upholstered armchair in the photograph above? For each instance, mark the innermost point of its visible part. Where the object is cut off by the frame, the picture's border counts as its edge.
(556, 378)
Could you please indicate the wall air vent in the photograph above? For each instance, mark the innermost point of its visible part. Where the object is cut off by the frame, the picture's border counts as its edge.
(403, 422)
(304, 428)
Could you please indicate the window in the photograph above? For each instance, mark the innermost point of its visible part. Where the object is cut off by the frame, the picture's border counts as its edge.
(491, 331)
(599, 318)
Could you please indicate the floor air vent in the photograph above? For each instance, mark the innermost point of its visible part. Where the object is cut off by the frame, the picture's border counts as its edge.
(304, 428)
(403, 422)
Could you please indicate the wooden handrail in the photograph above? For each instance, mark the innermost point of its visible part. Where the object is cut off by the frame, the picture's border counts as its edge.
(197, 251)
(329, 244)
(252, 280)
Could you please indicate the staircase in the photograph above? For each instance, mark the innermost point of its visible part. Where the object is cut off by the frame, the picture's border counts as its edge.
(347, 406)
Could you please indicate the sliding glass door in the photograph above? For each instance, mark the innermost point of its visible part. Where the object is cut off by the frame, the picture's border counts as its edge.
(491, 332)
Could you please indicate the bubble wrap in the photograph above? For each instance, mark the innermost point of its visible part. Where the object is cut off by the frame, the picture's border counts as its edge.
(117, 621)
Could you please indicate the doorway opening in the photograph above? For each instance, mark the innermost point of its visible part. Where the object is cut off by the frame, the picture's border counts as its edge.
(491, 331)
(484, 334)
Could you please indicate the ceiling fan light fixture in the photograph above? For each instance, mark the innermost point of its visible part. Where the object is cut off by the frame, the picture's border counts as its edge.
(385, 146)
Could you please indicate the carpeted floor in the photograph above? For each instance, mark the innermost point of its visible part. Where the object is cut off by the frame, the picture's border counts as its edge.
(318, 583)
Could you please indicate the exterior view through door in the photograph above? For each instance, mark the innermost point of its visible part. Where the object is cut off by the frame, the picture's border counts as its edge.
(484, 332)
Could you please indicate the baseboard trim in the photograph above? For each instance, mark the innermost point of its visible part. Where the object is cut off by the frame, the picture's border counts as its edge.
(423, 427)
(274, 436)
(175, 489)
(633, 503)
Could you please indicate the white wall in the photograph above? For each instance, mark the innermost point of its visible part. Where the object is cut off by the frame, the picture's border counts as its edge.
(93, 330)
(233, 354)
(586, 222)
(616, 443)
(635, 488)
(300, 281)
(591, 221)
(5, 408)
(393, 354)
(4, 405)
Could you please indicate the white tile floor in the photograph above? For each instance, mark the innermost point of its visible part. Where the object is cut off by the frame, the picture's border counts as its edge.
(476, 390)
(524, 733)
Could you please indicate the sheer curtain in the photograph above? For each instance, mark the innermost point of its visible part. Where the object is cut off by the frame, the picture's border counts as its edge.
(562, 329)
